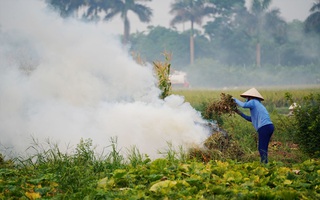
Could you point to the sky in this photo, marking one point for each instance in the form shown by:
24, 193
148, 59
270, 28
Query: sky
290, 10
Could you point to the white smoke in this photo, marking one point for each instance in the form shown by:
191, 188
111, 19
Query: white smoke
65, 80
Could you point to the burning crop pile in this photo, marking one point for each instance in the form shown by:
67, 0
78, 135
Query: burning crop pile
219, 145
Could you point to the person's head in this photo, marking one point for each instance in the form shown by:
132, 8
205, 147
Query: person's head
249, 98
252, 94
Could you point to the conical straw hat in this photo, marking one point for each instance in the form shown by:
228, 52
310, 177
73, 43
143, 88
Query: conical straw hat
252, 93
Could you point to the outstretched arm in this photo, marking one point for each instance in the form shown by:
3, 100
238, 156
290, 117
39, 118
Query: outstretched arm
246, 117
239, 103
242, 104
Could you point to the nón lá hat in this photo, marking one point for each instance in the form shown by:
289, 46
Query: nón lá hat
253, 92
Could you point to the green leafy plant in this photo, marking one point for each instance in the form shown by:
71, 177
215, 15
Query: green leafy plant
75, 177
307, 115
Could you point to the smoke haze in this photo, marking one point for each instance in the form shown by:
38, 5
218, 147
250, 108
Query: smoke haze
66, 80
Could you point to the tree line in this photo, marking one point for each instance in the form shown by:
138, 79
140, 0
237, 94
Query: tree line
233, 34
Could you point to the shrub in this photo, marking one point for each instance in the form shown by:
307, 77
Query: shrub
307, 116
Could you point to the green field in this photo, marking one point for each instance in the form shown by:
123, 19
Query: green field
274, 97
233, 172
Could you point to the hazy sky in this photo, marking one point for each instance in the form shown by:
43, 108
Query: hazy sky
290, 9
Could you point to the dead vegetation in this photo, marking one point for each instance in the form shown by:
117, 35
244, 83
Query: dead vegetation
225, 105
217, 147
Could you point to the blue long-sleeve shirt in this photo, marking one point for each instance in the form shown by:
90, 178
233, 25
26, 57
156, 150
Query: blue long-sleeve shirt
259, 114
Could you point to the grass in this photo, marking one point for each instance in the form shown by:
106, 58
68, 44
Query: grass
274, 97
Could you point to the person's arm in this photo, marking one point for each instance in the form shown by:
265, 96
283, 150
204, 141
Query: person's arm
246, 117
239, 103
243, 105
247, 104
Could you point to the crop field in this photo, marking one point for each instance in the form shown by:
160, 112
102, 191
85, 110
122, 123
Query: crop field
274, 97
229, 169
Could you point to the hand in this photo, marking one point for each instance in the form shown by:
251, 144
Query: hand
234, 99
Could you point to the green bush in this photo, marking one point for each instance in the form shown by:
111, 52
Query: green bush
308, 122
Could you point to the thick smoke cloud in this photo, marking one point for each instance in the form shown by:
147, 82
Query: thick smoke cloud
63, 80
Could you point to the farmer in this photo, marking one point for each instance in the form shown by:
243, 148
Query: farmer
260, 120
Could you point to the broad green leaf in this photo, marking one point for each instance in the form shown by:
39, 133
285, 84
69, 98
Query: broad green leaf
33, 195
184, 167
194, 180
222, 164
283, 170
255, 178
287, 182
119, 173
154, 177
232, 176
102, 183
167, 184
248, 183
260, 171
215, 178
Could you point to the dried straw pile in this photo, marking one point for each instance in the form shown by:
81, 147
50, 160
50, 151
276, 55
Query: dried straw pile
218, 146
225, 105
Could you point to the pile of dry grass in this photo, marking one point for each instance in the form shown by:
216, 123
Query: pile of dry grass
220, 145
217, 147
225, 105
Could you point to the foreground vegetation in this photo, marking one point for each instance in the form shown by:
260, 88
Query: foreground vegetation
81, 176
228, 169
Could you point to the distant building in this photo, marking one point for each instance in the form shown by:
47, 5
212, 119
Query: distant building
179, 79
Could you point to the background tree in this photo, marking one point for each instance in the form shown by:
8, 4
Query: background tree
225, 28
258, 9
150, 44
193, 11
93, 9
67, 8
273, 37
122, 7
159, 39
312, 23
229, 40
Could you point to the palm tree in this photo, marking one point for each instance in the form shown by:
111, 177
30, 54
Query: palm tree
312, 22
122, 7
190, 10
258, 9
276, 27
93, 9
66, 8
266, 21
260, 21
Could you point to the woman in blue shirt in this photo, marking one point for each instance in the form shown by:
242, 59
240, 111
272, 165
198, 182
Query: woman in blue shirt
259, 118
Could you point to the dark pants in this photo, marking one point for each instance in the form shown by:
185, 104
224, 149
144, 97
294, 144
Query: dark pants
265, 133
